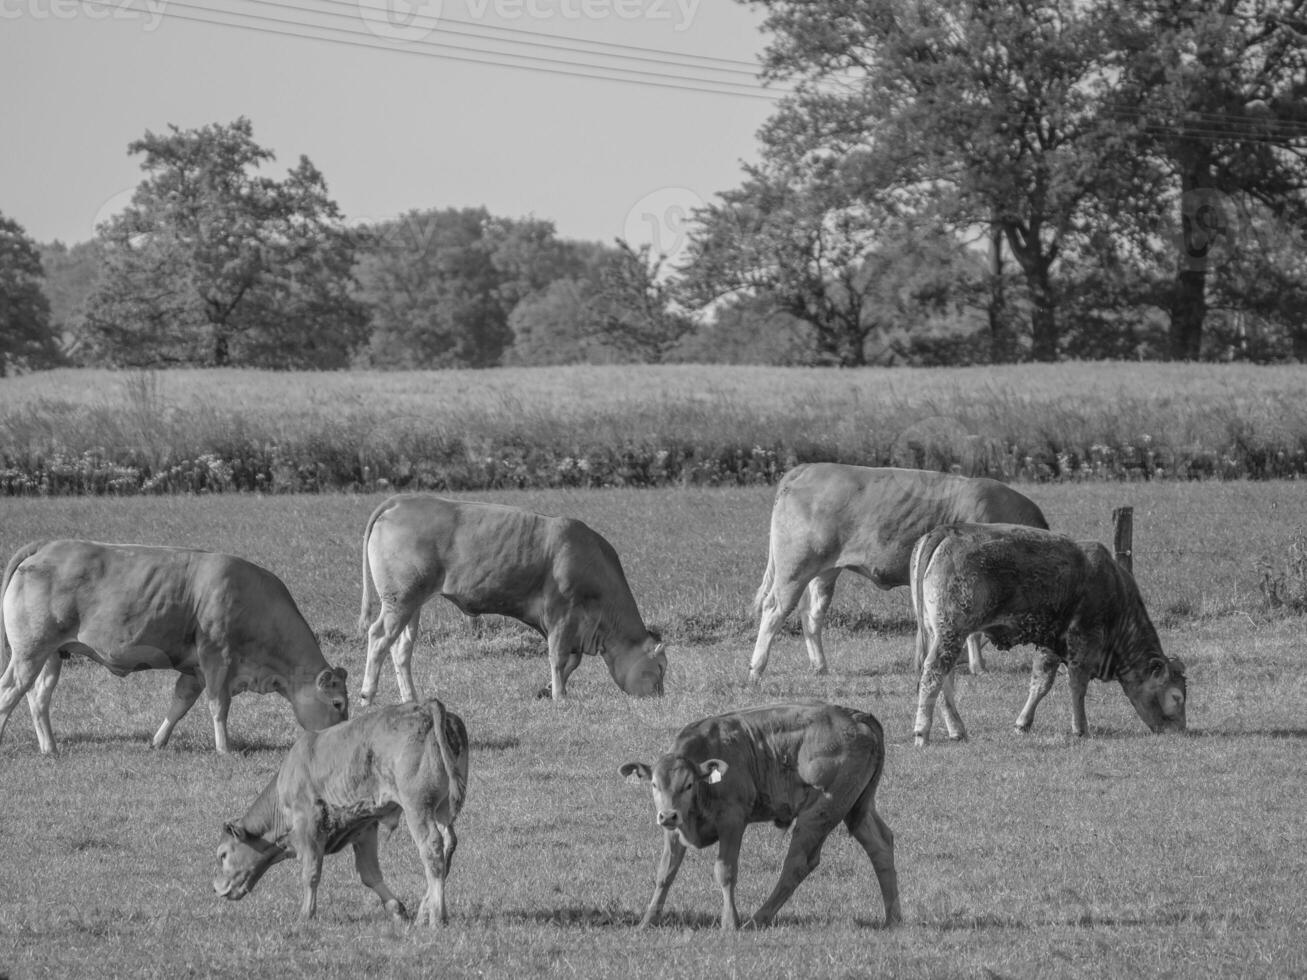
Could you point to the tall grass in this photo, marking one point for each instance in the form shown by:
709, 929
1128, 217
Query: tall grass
223, 430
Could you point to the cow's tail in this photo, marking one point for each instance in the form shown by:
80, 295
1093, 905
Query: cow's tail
922, 552
19, 556
369, 587
447, 725
768, 580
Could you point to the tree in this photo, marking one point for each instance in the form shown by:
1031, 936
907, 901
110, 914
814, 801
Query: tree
560, 324
637, 309
800, 239
976, 114
26, 340
442, 284
213, 263
1218, 95
71, 273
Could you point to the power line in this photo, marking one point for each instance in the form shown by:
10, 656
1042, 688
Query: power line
556, 41
451, 52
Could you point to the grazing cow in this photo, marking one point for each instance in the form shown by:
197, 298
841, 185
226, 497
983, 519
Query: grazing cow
829, 517
1024, 585
336, 787
224, 624
553, 573
807, 763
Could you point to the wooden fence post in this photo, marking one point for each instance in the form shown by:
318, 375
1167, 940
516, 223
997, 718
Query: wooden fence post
1123, 541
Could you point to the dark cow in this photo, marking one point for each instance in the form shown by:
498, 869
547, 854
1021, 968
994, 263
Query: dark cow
1023, 585
225, 624
338, 786
809, 764
553, 573
829, 517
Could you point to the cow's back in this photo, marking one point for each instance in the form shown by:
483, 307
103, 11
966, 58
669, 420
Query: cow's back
868, 518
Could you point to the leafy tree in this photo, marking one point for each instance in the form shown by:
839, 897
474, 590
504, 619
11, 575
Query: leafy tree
26, 340
442, 284
213, 263
560, 324
637, 309
71, 273
799, 238
1217, 93
976, 114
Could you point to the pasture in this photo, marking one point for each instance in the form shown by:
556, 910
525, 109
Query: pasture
1041, 855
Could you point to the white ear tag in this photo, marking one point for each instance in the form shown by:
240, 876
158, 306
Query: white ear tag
715, 776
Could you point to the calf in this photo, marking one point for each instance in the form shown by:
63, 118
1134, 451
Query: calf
1024, 585
335, 787
809, 764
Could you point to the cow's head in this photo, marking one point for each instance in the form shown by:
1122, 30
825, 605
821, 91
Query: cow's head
1159, 694
639, 670
323, 701
676, 782
242, 859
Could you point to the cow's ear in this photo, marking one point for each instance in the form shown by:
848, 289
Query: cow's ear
636, 772
712, 770
341, 672
1157, 667
659, 650
1177, 666
233, 829
327, 678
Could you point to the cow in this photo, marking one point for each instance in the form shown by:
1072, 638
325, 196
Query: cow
338, 786
554, 574
1025, 585
224, 624
805, 763
829, 517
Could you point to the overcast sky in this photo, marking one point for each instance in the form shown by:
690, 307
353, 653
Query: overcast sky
391, 120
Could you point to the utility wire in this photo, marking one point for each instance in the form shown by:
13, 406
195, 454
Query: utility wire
365, 39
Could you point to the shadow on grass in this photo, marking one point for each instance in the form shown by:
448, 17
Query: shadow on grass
1285, 733
961, 922
240, 745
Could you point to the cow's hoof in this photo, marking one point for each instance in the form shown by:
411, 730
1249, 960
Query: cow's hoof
821, 671
755, 678
960, 737
397, 911
544, 692
1021, 729
920, 739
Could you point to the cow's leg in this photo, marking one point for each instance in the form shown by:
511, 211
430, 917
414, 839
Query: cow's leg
974, 660
401, 657
726, 868
941, 657
17, 680
382, 634
809, 834
216, 694
564, 658
38, 701
185, 693
668, 865
820, 592
369, 868
776, 605
1043, 671
1079, 681
957, 732
873, 833
310, 852
431, 848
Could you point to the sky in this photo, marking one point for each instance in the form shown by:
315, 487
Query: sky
390, 101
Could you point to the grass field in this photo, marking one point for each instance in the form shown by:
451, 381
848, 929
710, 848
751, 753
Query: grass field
68, 432
1121, 855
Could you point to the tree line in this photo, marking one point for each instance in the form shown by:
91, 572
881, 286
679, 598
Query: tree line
950, 181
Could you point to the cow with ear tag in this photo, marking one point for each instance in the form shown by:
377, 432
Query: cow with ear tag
809, 764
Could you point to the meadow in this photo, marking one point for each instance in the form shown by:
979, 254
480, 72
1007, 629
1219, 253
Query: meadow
1119, 855
106, 432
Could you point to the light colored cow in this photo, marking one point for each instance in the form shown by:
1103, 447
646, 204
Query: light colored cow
809, 764
338, 786
829, 517
224, 624
1024, 585
553, 573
